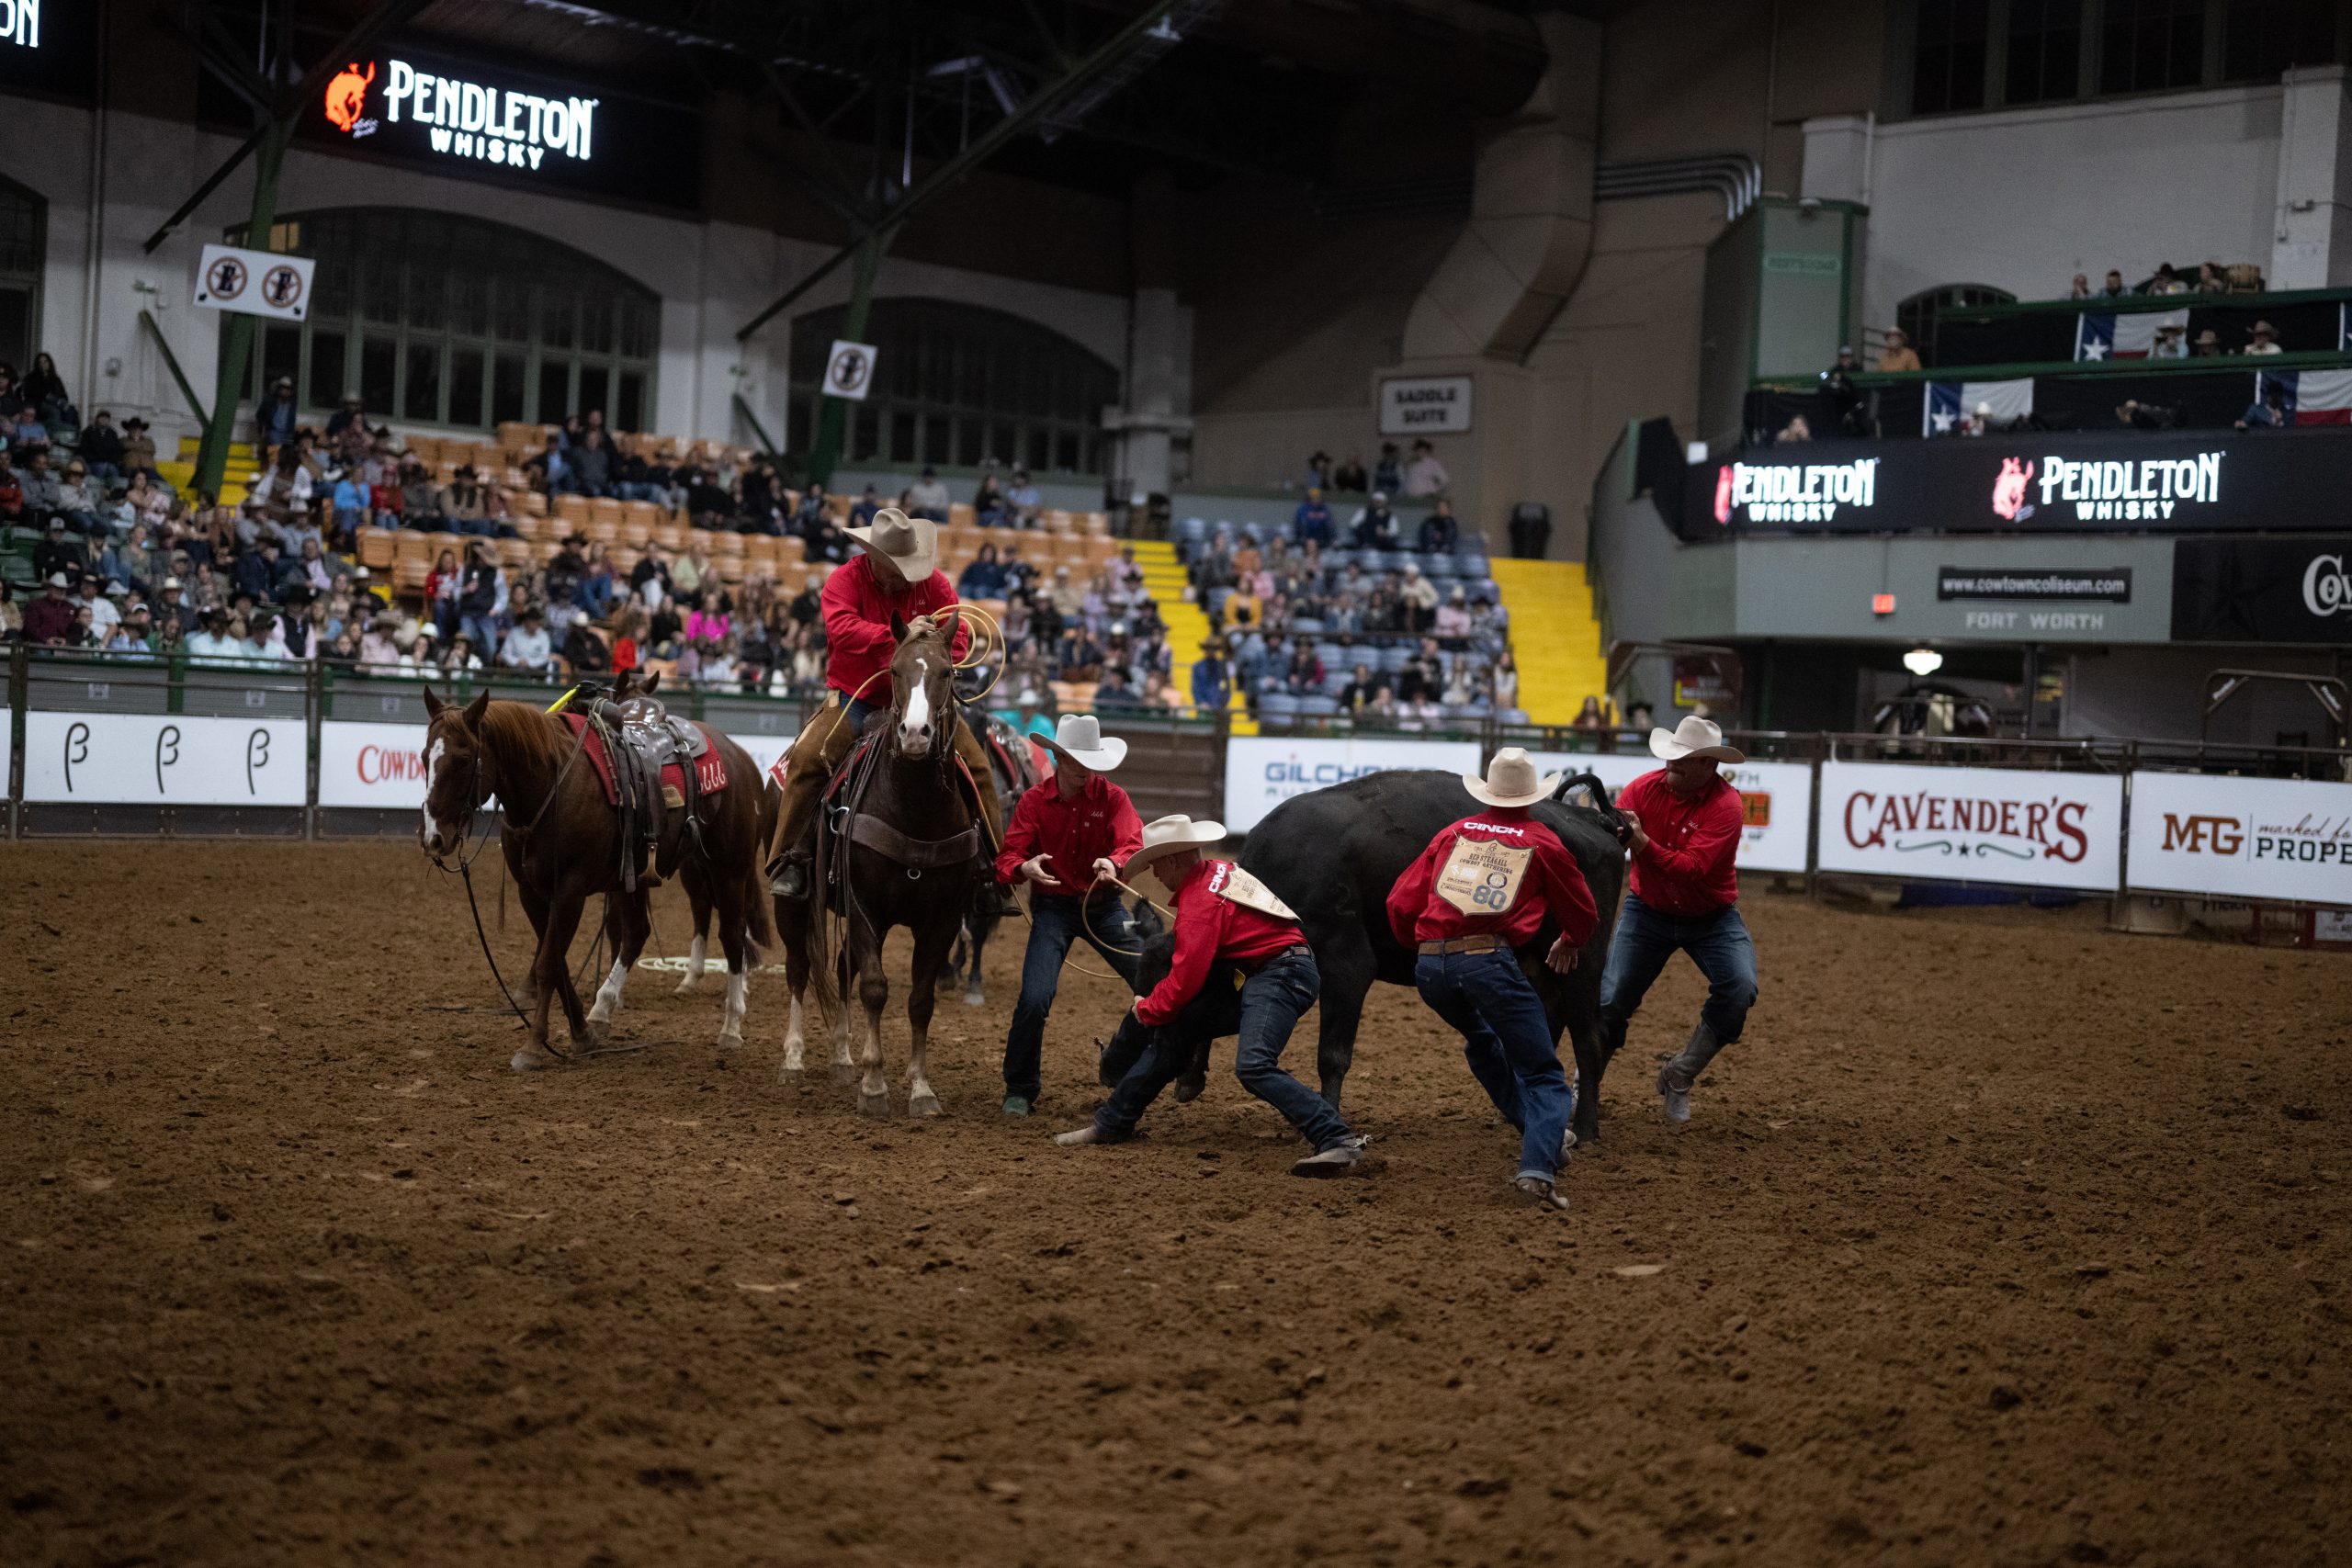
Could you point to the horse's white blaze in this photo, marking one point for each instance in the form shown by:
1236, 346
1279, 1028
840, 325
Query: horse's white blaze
793, 1040
608, 995
918, 719
432, 772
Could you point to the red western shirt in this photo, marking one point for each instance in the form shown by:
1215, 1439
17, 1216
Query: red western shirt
1209, 927
858, 644
1101, 823
1553, 883
1687, 869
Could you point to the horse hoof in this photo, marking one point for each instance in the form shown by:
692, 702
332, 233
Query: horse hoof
531, 1059
686, 987
845, 1072
973, 998
730, 1042
923, 1105
594, 1037
874, 1104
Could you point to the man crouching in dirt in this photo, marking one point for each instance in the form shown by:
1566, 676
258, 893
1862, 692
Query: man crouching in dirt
1226, 921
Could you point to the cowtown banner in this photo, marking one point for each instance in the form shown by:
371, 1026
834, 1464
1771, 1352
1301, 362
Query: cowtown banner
2041, 829
2283, 839
1776, 800
2131, 481
2263, 590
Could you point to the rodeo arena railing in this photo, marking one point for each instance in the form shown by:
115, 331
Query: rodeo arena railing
95, 745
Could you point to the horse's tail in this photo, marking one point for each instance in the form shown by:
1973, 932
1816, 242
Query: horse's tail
1601, 801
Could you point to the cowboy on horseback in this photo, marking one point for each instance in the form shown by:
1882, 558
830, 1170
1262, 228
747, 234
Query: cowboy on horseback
897, 574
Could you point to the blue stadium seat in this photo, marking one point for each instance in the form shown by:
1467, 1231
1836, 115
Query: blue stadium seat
1317, 707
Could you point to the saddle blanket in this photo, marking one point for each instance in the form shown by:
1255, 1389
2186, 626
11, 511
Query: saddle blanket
710, 769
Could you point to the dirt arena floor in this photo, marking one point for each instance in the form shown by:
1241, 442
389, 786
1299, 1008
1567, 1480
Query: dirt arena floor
2000, 1240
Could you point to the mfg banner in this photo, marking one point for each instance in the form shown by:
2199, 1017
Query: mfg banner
164, 759
1776, 799
2039, 829
2288, 839
1260, 772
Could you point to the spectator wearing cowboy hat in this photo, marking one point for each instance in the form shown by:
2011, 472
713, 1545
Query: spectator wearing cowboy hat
48, 620
138, 447
1070, 838
895, 581
2265, 340
1484, 890
1684, 832
1228, 923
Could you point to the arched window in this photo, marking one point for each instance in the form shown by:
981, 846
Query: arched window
438, 319
1917, 316
23, 242
954, 384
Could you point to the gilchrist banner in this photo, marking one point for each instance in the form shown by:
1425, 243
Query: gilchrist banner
2285, 839
1262, 773
1776, 800
2131, 481
2000, 825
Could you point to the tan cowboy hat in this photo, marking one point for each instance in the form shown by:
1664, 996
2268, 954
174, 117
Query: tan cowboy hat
1694, 736
1169, 834
910, 543
1510, 780
1079, 737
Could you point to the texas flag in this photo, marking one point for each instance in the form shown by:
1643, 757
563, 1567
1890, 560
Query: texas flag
2311, 397
2122, 335
1948, 402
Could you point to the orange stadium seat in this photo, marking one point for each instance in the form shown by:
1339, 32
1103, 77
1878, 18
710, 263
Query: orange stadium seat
574, 509
377, 548
408, 576
670, 534
604, 508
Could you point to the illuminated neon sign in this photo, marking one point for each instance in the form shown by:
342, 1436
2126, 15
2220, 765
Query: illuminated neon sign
20, 23
461, 118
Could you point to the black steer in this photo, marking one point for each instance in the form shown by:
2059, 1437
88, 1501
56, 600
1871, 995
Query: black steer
1334, 854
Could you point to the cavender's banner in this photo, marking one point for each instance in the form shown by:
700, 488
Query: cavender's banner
2131, 481
2000, 825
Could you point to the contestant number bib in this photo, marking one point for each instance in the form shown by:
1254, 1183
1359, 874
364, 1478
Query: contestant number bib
1482, 877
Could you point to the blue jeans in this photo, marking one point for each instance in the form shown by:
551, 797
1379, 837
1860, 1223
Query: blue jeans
1055, 921
1271, 1002
1717, 943
1509, 1043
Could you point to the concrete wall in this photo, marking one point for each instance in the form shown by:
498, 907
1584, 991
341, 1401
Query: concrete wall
2158, 693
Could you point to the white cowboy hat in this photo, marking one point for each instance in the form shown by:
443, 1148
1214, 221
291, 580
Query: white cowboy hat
910, 543
1169, 834
1510, 780
1079, 737
1694, 736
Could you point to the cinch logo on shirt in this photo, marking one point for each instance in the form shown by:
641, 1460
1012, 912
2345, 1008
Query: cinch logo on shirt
1495, 827
1219, 872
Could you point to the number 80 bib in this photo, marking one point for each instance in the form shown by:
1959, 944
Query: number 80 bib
1481, 878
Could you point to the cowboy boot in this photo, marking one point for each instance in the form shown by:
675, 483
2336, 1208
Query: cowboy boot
1681, 1073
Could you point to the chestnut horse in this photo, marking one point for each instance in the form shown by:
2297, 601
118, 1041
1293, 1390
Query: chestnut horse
562, 844
899, 845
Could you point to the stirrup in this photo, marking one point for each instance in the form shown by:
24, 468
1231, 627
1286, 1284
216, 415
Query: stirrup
791, 880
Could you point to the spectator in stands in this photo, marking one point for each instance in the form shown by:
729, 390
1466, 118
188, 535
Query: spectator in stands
991, 507
1453, 623
1304, 674
1374, 527
588, 465
1417, 595
1113, 696
2266, 339
1502, 681
351, 511
2082, 288
2172, 342
1028, 503
1358, 693
101, 447
43, 391
649, 579
1025, 717
1312, 519
1441, 534
1212, 679
2208, 345
29, 435
75, 502
2141, 415
1077, 656
1425, 475
1319, 471
138, 447
869, 501
347, 416
927, 497
690, 574
1350, 479
421, 503
275, 421
1388, 474
478, 599
2268, 411
13, 511
48, 620
1530, 530
983, 578
2210, 279
1898, 353
2166, 281
2114, 289
1799, 428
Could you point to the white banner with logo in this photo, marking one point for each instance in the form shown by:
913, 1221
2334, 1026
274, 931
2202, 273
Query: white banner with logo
378, 765
1261, 772
2288, 839
258, 283
1776, 800
142, 759
2042, 829
767, 750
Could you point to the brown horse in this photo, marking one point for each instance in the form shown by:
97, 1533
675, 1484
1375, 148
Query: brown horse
898, 846
562, 844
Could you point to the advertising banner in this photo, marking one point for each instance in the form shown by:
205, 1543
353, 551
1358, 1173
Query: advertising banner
1263, 772
2130, 482
2262, 589
378, 765
1776, 799
2288, 839
2041, 829
164, 759
49, 47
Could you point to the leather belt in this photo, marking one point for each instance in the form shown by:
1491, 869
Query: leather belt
1285, 952
1490, 943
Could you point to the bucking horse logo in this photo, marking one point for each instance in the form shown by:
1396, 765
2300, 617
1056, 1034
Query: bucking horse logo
347, 96
2009, 492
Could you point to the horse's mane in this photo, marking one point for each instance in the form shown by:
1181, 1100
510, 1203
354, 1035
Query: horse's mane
524, 731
